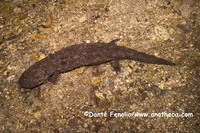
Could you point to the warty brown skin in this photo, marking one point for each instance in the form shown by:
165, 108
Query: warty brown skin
78, 55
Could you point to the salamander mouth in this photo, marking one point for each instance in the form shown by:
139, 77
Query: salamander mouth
27, 85
25, 82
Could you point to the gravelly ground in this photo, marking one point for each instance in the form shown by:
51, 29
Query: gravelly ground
165, 28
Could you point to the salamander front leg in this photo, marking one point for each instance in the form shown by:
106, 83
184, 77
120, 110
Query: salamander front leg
53, 78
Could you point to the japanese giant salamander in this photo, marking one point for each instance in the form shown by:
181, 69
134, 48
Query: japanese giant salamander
79, 55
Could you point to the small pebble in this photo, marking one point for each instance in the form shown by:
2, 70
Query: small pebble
37, 115
5, 73
81, 70
56, 28
41, 36
19, 30
16, 22
17, 10
99, 95
95, 80
51, 7
83, 18
162, 32
11, 77
42, 56
161, 86
48, 22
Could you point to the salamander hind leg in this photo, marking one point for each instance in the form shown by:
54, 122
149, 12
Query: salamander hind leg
116, 66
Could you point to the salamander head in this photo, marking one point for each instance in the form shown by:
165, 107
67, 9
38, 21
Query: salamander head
32, 78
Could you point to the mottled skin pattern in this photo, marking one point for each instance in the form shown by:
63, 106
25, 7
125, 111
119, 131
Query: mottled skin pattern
75, 56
